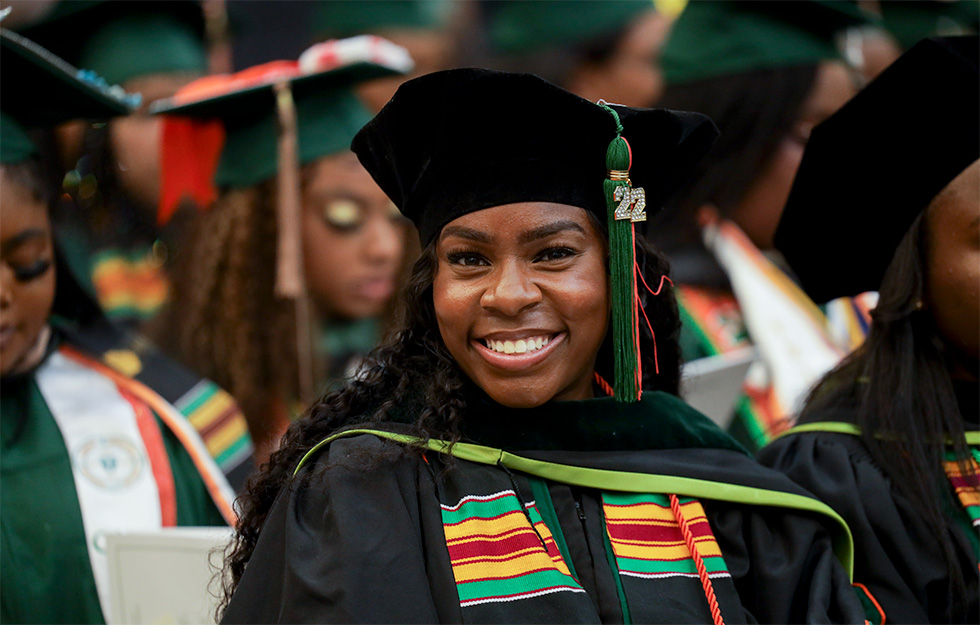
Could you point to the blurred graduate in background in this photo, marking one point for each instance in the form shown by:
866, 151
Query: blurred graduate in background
108, 215
428, 29
98, 432
766, 73
287, 274
890, 437
594, 48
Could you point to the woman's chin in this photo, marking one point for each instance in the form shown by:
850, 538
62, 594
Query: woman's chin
523, 397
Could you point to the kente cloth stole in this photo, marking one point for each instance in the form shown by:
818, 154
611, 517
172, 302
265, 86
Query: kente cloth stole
129, 284
647, 539
497, 557
119, 463
219, 422
966, 486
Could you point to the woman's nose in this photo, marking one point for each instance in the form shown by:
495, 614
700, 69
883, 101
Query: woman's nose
384, 242
512, 289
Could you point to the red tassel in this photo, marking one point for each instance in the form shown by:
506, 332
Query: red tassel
189, 153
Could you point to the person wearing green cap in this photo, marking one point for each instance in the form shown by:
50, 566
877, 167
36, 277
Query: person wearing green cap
87, 445
766, 72
890, 437
118, 244
287, 274
477, 469
605, 49
426, 28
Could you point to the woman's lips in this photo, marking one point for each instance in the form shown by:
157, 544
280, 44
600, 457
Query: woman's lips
7, 333
518, 362
375, 288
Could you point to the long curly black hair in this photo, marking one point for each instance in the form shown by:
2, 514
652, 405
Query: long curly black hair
413, 366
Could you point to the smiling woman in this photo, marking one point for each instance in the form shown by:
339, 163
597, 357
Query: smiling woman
476, 469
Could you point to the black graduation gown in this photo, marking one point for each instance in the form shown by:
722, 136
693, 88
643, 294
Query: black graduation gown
897, 556
376, 532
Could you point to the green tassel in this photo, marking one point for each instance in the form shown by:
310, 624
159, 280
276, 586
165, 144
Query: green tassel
626, 384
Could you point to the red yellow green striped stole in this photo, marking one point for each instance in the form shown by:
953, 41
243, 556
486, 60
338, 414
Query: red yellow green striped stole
129, 285
219, 421
966, 486
496, 556
647, 541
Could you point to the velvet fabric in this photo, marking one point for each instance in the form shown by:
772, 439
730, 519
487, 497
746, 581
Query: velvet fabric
871, 168
458, 141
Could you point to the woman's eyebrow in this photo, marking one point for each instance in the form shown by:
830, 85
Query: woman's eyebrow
548, 230
466, 233
22, 237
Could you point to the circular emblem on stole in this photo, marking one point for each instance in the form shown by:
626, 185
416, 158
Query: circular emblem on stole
110, 463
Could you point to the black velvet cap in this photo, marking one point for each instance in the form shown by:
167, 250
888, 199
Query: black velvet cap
458, 141
871, 168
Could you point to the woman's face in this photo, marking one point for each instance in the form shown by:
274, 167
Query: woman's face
762, 204
353, 239
953, 268
27, 279
521, 296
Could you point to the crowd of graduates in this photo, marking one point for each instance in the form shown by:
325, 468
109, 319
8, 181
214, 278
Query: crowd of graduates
300, 269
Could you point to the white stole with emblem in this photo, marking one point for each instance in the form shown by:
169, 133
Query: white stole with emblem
110, 464
785, 325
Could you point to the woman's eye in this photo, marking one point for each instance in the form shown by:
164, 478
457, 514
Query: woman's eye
342, 214
466, 259
32, 271
554, 253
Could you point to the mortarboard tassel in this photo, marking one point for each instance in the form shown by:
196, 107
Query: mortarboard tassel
625, 204
290, 281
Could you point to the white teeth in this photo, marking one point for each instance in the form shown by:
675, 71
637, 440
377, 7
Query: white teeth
520, 346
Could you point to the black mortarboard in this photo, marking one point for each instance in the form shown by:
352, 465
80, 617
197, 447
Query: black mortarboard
458, 141
872, 167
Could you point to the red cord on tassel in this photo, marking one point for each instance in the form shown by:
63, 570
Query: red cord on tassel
709, 590
605, 386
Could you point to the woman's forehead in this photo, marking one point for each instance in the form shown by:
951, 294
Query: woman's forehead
517, 219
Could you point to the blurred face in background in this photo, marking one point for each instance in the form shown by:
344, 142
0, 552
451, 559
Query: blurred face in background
762, 204
432, 50
631, 75
353, 239
953, 269
27, 280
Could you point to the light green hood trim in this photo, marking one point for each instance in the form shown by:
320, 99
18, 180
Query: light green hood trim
621, 481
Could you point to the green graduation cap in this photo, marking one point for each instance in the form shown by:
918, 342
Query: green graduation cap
41, 90
518, 26
277, 117
328, 113
346, 18
912, 20
715, 38
125, 40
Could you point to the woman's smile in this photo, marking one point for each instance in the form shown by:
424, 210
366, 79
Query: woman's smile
521, 296
519, 354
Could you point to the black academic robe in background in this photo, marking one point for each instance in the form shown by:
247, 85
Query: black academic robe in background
376, 532
897, 555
